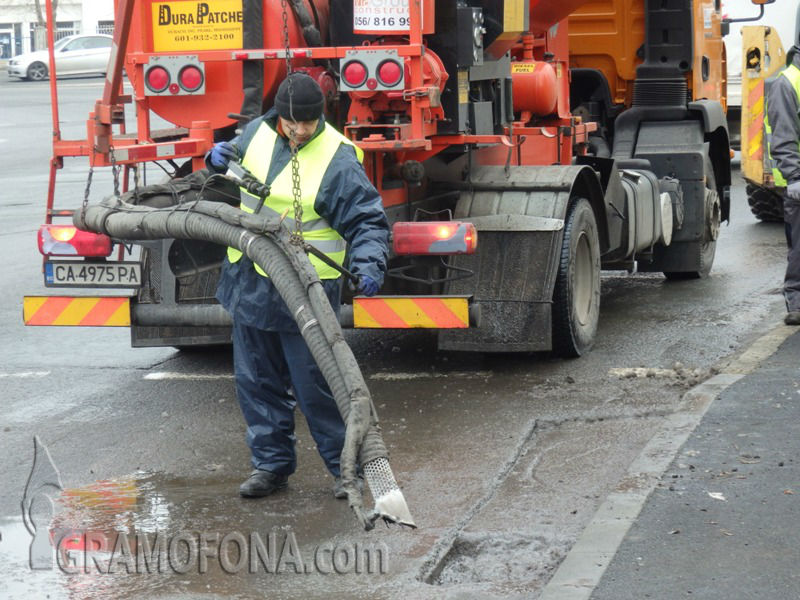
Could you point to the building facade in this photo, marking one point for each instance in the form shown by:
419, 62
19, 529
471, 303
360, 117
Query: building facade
19, 24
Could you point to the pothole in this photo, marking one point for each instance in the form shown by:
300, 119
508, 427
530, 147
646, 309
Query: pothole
500, 559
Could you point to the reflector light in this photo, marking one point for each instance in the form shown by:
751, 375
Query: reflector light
174, 88
390, 73
190, 78
67, 240
434, 237
354, 73
157, 79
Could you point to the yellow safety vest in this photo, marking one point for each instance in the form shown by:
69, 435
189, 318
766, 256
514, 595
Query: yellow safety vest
313, 159
792, 73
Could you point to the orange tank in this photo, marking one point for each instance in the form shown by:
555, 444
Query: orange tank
188, 26
535, 87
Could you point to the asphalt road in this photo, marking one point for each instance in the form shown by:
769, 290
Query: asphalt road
503, 459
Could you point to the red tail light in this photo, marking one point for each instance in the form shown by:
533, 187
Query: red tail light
157, 79
67, 240
434, 237
190, 78
354, 73
390, 73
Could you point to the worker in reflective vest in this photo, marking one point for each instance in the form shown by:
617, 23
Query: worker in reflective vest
342, 211
782, 125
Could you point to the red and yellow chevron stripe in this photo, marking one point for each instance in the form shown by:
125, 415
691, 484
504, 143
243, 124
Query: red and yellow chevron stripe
755, 119
405, 312
73, 310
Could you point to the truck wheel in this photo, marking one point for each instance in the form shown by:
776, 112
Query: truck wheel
576, 297
765, 204
37, 71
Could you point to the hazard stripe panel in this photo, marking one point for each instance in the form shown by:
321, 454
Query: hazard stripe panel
405, 312
76, 311
755, 94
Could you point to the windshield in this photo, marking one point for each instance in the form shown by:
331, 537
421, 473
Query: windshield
60, 43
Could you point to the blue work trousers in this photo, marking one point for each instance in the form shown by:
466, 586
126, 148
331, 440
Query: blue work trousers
267, 364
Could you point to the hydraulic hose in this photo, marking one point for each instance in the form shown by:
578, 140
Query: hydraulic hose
266, 242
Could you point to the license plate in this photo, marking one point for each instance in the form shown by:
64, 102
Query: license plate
91, 274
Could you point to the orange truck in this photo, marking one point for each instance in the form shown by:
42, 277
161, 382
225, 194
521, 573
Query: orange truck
519, 146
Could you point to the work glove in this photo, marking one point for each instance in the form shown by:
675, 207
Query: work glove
367, 286
221, 154
793, 191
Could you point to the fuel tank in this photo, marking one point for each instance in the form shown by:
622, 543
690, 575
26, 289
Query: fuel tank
195, 26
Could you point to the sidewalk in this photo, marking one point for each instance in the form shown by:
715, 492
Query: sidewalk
724, 521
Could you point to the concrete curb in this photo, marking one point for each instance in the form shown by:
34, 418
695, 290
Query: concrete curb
580, 572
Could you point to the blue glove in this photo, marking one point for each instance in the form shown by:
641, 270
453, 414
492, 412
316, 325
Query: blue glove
793, 191
221, 154
367, 286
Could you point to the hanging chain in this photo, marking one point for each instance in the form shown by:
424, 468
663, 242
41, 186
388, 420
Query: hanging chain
136, 182
297, 235
86, 191
114, 170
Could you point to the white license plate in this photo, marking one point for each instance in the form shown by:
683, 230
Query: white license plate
92, 274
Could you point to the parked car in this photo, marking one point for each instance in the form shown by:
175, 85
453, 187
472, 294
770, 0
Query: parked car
75, 55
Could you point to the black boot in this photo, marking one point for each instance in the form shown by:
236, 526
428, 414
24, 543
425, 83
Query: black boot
262, 483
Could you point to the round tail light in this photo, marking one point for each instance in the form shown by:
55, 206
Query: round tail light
190, 78
354, 73
390, 73
157, 79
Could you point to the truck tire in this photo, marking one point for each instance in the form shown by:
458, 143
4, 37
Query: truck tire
37, 71
576, 297
765, 204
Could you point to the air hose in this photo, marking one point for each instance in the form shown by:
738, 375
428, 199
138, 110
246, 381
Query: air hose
266, 242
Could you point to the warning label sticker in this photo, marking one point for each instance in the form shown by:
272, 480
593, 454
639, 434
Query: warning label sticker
191, 25
381, 15
525, 67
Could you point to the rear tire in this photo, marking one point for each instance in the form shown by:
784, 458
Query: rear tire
576, 297
37, 71
765, 204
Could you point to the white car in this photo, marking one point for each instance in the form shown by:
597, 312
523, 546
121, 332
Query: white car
75, 55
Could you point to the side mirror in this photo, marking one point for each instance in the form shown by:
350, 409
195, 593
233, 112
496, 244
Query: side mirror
762, 2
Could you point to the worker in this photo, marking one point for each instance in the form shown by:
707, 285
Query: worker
273, 366
782, 125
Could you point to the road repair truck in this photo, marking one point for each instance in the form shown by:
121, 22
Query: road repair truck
519, 146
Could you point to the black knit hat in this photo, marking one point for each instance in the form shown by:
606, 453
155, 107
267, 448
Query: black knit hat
307, 99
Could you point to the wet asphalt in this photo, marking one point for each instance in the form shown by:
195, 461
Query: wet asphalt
503, 459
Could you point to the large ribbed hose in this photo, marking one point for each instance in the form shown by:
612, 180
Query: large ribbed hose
267, 244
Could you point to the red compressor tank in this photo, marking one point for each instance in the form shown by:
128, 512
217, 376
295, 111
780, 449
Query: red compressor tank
188, 26
535, 87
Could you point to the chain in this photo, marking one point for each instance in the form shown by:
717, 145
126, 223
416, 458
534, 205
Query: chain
297, 235
136, 183
86, 191
114, 170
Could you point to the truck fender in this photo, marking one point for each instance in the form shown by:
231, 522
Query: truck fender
715, 125
530, 198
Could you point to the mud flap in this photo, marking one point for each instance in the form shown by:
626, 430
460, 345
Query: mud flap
513, 289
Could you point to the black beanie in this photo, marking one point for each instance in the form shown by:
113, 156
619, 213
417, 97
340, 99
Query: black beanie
306, 102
